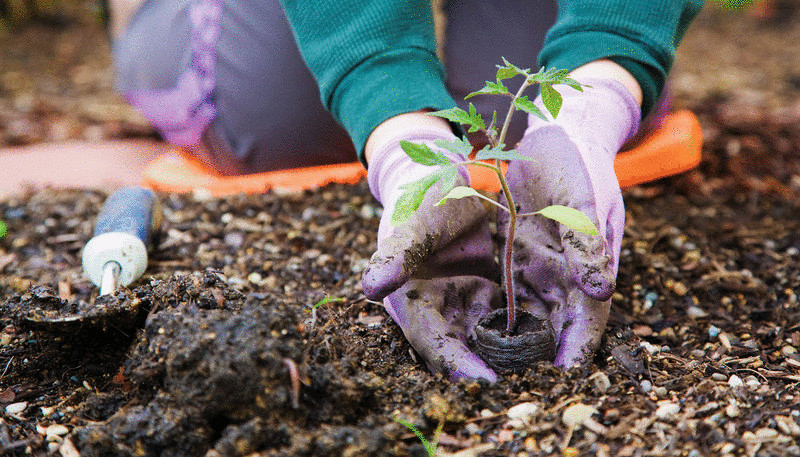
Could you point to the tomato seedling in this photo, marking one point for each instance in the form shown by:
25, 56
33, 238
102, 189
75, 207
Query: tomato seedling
492, 156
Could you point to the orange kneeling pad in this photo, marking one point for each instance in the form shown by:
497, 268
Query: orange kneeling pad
673, 148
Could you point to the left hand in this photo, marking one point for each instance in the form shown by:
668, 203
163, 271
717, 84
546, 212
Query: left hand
561, 275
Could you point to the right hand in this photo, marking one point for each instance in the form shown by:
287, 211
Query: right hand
436, 272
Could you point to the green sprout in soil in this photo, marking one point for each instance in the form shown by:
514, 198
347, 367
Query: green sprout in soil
491, 156
3, 229
430, 446
327, 300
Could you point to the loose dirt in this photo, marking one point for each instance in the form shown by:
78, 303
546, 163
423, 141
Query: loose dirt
226, 355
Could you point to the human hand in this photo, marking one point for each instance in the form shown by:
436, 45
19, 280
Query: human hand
436, 272
563, 275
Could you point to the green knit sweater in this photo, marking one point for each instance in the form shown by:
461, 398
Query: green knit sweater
374, 59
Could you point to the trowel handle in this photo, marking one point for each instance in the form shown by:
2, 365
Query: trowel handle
117, 253
132, 210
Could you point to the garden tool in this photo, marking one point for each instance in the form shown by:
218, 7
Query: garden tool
117, 253
115, 256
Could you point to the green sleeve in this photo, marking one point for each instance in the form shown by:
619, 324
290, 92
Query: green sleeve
640, 36
372, 59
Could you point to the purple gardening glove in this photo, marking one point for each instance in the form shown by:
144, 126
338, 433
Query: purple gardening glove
436, 272
561, 274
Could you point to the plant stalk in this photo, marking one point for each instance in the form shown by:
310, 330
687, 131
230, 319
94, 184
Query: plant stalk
511, 301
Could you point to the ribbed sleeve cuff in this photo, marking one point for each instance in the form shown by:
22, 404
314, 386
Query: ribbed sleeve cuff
386, 85
572, 50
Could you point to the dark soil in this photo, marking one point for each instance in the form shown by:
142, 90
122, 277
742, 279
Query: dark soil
224, 353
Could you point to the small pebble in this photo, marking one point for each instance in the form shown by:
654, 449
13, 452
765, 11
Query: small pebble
16, 408
601, 382
571, 452
713, 331
577, 414
649, 347
733, 410
735, 382
727, 448
486, 413
787, 425
56, 430
766, 434
660, 391
646, 386
719, 377
523, 412
254, 278
667, 411
504, 436
473, 429
226, 218
696, 312
752, 382
53, 447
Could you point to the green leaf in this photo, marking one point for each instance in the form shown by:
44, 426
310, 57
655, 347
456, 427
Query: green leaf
421, 153
471, 118
509, 70
491, 89
459, 146
551, 99
574, 84
524, 104
412, 196
414, 192
3, 229
458, 192
570, 217
430, 447
499, 154
327, 300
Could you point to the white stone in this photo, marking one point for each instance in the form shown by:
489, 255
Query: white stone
56, 430
735, 381
16, 408
667, 410
577, 414
523, 412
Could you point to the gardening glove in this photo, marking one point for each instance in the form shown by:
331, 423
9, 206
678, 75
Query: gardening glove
560, 274
436, 272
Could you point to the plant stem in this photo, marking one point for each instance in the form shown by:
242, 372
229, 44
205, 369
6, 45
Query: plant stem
509, 279
511, 305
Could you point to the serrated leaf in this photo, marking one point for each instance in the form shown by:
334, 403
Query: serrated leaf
448, 179
421, 153
551, 99
505, 73
459, 146
471, 118
573, 84
414, 192
458, 192
499, 154
570, 217
412, 196
525, 104
491, 89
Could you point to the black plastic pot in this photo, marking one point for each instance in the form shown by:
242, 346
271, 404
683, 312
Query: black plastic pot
531, 342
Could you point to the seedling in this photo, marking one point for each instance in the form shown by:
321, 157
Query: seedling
3, 229
430, 446
492, 156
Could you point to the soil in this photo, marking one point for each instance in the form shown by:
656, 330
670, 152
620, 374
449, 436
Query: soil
225, 353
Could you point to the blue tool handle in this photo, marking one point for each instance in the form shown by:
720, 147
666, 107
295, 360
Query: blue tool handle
132, 210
